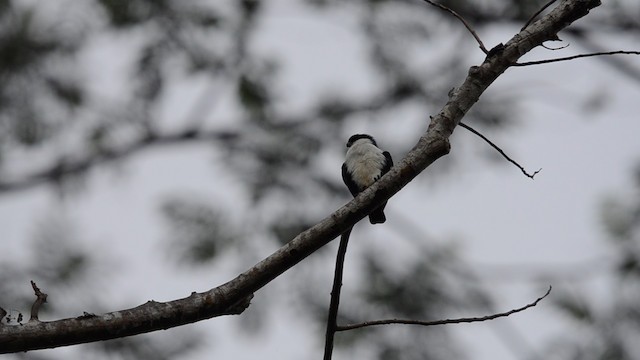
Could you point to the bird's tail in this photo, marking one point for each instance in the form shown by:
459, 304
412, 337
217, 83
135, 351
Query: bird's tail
377, 216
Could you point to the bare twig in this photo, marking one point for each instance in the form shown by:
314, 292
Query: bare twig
582, 36
41, 298
466, 24
555, 48
332, 320
443, 322
632, 52
537, 13
500, 151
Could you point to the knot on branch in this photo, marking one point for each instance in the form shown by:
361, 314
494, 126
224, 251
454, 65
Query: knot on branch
240, 306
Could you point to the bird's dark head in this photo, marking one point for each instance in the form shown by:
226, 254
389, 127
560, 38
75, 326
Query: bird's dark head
357, 137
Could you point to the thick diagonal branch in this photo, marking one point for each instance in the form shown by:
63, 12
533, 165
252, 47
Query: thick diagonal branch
232, 296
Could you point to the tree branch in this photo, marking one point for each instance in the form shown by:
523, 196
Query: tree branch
233, 296
466, 24
443, 322
577, 57
332, 321
500, 151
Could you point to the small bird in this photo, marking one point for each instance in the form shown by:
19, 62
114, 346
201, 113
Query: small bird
364, 164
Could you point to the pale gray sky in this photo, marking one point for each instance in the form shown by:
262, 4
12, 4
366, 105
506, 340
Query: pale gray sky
500, 219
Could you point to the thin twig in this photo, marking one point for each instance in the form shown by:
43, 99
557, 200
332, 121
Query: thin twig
617, 63
577, 57
466, 24
443, 322
41, 298
555, 48
531, 176
537, 13
332, 322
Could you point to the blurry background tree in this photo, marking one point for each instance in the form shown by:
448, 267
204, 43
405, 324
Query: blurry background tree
254, 101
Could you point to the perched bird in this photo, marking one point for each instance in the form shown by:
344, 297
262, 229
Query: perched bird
364, 164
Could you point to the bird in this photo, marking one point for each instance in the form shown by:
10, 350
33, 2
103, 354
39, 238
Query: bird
364, 164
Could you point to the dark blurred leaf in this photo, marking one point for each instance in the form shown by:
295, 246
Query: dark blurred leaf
149, 74
60, 258
20, 47
28, 130
207, 18
617, 218
253, 94
199, 232
404, 89
123, 13
68, 92
285, 231
493, 114
250, 7
150, 347
414, 295
334, 109
99, 138
575, 308
629, 265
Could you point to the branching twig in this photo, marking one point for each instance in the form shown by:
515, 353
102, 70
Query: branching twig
443, 322
41, 298
332, 322
632, 52
537, 13
500, 151
466, 24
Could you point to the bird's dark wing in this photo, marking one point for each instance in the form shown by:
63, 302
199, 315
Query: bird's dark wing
377, 216
346, 177
388, 164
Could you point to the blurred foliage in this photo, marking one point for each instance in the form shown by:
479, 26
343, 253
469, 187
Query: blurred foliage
198, 233
51, 109
433, 285
609, 330
58, 260
175, 346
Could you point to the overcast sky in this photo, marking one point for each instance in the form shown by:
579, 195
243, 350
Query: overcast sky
506, 225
